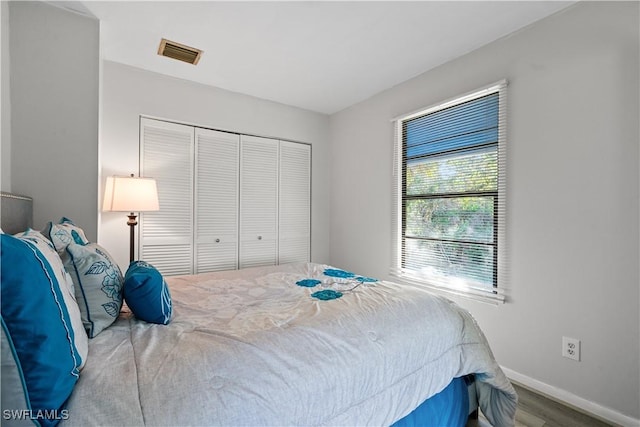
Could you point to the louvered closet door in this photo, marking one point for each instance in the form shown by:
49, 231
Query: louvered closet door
166, 236
258, 201
294, 226
216, 204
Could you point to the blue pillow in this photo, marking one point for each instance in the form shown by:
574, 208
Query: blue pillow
38, 327
50, 256
147, 294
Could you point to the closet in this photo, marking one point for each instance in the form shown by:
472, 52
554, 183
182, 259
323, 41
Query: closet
227, 200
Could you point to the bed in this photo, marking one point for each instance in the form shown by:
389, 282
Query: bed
296, 344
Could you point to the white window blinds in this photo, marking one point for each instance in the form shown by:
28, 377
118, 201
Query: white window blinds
449, 200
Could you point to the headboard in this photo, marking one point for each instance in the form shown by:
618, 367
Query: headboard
16, 212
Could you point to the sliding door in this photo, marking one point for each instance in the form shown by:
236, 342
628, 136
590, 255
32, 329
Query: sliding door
294, 218
227, 201
258, 201
216, 202
166, 236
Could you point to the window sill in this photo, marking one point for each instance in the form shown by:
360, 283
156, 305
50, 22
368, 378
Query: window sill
486, 297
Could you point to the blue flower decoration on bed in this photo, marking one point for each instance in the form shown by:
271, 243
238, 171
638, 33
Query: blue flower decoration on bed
362, 279
308, 283
327, 294
332, 272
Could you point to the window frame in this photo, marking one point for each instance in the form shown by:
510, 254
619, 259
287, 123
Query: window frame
495, 294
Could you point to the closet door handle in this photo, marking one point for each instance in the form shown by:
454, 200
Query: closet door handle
217, 240
259, 237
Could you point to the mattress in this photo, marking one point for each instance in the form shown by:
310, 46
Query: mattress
259, 347
450, 407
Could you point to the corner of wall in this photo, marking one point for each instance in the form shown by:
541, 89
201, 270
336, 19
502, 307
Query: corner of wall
5, 108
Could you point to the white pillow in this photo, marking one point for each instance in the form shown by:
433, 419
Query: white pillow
63, 233
14, 395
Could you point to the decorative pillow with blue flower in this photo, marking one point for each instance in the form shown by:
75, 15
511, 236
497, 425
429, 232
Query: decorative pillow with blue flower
98, 285
64, 233
147, 293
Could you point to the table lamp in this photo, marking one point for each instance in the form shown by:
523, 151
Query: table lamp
130, 194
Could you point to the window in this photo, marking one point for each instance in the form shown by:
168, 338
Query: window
450, 194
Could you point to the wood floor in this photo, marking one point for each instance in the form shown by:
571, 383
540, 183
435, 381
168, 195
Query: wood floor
535, 410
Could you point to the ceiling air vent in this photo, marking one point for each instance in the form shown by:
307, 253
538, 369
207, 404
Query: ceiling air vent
179, 51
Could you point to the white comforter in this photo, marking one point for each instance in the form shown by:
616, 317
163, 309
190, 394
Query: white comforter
251, 347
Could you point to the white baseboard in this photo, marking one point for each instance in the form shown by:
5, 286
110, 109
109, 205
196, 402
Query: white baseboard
565, 397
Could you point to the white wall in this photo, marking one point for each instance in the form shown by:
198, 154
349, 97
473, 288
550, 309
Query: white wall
573, 191
5, 107
130, 92
54, 70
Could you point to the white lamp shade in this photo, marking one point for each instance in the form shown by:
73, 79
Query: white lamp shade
130, 194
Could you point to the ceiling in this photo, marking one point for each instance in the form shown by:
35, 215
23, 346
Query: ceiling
322, 56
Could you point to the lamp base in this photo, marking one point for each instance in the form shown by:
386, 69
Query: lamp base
132, 224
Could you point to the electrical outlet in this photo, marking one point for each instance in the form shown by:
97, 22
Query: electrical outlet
571, 348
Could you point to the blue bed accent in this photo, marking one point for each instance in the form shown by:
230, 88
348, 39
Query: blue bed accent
449, 408
334, 272
308, 283
363, 279
326, 295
